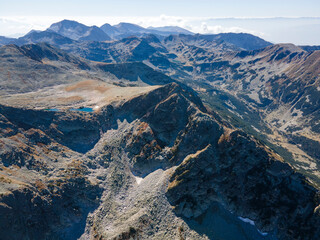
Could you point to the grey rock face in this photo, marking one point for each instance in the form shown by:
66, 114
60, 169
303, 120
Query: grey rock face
251, 181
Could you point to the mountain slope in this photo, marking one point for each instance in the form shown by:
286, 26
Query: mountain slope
136, 72
43, 37
41, 76
241, 41
274, 92
33, 67
110, 30
5, 40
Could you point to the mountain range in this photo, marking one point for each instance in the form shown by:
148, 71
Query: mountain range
67, 31
78, 31
123, 132
122, 30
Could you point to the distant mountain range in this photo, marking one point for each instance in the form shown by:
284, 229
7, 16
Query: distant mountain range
68, 32
122, 30
78, 31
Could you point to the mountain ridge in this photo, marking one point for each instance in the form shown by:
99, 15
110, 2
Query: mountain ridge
124, 29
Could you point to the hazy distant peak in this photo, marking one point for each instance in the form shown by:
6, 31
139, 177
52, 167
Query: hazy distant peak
33, 31
129, 27
65, 24
78, 31
237, 41
152, 38
171, 29
286, 46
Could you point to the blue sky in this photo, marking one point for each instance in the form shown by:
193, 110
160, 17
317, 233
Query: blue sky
18, 17
187, 8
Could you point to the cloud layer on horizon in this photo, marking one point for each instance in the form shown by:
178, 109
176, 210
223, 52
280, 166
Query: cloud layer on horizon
303, 31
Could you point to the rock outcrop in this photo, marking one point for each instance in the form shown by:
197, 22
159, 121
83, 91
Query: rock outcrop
251, 182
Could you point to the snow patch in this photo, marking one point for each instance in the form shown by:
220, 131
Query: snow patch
291, 119
308, 98
251, 222
235, 113
229, 103
138, 179
149, 64
247, 220
255, 96
256, 129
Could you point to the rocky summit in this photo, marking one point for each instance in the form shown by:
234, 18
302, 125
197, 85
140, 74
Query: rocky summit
157, 136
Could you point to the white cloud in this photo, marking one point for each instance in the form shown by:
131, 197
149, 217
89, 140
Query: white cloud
215, 29
20, 25
295, 30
